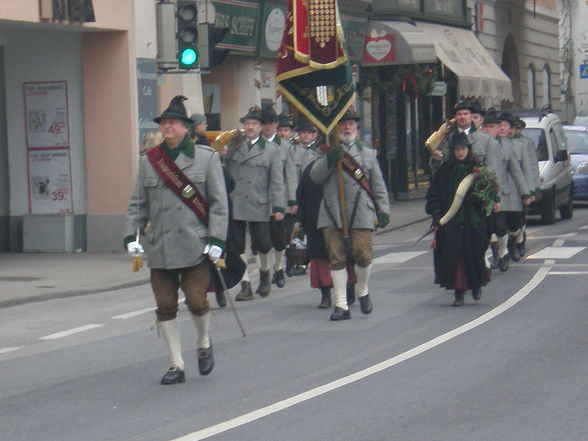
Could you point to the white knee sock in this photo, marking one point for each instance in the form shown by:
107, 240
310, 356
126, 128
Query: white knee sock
171, 335
246, 273
502, 246
202, 323
363, 275
278, 255
263, 261
339, 278
521, 236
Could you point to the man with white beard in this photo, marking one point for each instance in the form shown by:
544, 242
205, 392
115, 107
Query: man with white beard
367, 206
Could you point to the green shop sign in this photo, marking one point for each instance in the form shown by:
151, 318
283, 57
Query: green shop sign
242, 19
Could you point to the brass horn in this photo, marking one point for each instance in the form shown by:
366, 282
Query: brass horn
228, 137
436, 139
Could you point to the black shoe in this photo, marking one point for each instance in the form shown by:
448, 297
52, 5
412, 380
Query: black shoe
221, 298
206, 360
340, 314
325, 298
458, 298
504, 263
299, 270
265, 286
514, 253
522, 248
365, 304
279, 278
289, 270
477, 293
174, 375
351, 294
245, 293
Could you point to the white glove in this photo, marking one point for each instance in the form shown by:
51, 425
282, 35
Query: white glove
214, 252
134, 248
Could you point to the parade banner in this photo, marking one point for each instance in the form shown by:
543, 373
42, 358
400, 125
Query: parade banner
48, 154
49, 181
313, 71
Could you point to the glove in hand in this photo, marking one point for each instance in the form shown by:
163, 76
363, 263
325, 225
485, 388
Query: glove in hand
214, 252
334, 154
383, 219
134, 248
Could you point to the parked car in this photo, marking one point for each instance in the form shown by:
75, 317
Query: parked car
578, 147
555, 170
580, 120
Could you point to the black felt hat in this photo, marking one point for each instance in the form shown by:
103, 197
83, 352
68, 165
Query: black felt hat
285, 121
519, 123
304, 125
176, 109
507, 116
491, 117
465, 104
458, 139
268, 114
350, 114
253, 113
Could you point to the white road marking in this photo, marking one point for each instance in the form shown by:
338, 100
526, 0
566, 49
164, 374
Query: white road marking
241, 420
132, 314
9, 349
398, 257
556, 253
69, 332
569, 273
559, 242
553, 237
585, 227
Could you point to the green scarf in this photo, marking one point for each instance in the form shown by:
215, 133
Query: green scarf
186, 147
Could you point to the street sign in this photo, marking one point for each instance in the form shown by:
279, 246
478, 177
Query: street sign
583, 71
439, 88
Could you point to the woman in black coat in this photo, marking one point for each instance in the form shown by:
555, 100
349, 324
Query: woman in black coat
461, 243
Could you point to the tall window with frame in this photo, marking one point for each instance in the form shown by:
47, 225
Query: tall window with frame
546, 84
531, 87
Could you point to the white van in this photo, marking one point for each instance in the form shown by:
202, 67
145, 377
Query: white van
555, 171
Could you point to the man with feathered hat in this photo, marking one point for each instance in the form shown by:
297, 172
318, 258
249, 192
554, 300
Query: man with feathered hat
180, 191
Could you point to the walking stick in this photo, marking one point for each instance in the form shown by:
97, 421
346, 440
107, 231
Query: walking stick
221, 263
342, 202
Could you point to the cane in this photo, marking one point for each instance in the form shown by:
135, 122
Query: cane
220, 263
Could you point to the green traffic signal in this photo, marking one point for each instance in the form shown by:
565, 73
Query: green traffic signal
189, 57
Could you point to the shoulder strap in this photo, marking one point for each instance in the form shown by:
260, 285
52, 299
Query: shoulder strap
178, 182
354, 170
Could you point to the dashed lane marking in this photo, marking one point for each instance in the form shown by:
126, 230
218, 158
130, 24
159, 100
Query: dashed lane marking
70, 332
398, 257
556, 253
568, 273
132, 314
9, 349
257, 414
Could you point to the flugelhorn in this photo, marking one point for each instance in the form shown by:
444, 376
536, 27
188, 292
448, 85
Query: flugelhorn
228, 137
436, 139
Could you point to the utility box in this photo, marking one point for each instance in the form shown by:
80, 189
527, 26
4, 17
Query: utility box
48, 233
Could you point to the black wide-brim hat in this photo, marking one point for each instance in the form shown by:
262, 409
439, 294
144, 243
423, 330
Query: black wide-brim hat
268, 114
458, 139
304, 125
507, 116
253, 113
465, 104
285, 121
519, 123
176, 109
491, 117
350, 114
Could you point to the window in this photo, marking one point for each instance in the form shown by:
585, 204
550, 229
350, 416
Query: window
531, 91
546, 85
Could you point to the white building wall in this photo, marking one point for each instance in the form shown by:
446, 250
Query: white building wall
35, 55
580, 47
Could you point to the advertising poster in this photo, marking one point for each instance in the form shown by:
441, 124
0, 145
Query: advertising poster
48, 150
50, 181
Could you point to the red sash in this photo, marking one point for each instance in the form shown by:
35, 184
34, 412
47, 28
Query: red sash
354, 170
177, 182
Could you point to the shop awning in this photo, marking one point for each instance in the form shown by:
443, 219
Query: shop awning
461, 52
396, 42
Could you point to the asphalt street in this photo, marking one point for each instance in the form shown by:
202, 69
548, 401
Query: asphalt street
512, 366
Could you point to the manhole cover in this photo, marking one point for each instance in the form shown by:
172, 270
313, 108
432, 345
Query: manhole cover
18, 279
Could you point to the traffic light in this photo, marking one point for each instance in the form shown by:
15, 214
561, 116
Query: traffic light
187, 36
210, 56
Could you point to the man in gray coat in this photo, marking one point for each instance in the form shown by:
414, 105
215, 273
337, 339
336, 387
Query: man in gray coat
482, 145
179, 242
365, 211
257, 167
281, 230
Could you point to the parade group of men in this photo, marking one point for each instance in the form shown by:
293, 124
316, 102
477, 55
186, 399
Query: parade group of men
498, 143
187, 215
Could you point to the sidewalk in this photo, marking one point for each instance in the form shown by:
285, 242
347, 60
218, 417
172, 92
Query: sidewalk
26, 277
